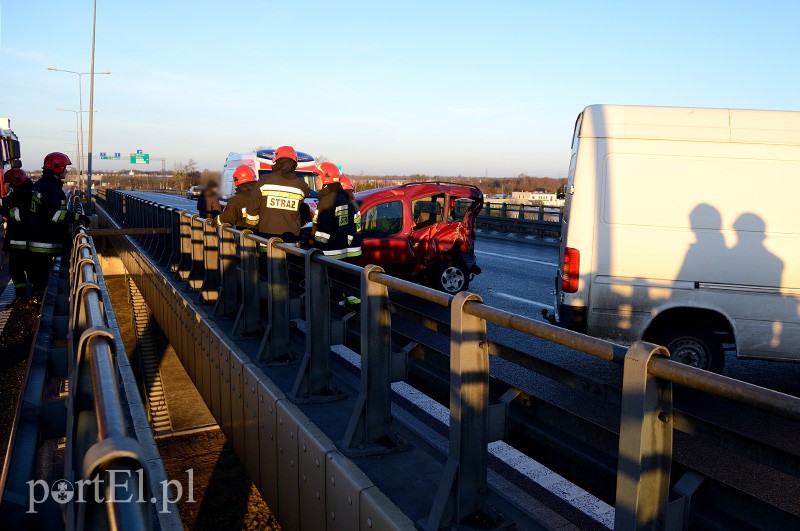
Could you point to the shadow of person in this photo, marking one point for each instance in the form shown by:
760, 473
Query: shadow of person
755, 265
709, 245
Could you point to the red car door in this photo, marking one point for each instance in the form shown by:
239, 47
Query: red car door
385, 233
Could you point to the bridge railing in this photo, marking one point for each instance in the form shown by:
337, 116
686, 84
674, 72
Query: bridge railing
99, 447
516, 218
109, 477
231, 269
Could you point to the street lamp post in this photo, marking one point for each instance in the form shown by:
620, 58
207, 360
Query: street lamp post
78, 133
80, 93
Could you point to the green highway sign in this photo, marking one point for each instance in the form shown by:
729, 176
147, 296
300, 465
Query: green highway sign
140, 158
105, 156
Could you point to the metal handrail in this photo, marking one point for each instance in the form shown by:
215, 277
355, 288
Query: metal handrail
645, 443
92, 342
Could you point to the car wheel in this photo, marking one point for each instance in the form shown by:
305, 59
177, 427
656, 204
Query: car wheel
453, 278
694, 345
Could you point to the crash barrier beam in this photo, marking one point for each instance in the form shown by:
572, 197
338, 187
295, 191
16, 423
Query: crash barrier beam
103, 450
646, 423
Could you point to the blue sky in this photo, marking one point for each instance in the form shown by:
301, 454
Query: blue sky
433, 87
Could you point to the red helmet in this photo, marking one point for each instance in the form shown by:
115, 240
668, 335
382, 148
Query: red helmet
243, 174
347, 184
284, 152
56, 162
328, 173
15, 177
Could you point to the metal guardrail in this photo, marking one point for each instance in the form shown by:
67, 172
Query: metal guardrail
520, 219
103, 454
222, 265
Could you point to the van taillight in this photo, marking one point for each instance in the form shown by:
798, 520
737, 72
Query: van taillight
570, 270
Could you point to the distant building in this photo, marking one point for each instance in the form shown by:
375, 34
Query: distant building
537, 197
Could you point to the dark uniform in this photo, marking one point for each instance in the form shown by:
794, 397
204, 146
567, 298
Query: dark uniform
276, 206
335, 231
354, 226
15, 207
48, 228
235, 212
208, 204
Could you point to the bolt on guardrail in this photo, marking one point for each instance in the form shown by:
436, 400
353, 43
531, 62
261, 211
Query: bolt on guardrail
647, 419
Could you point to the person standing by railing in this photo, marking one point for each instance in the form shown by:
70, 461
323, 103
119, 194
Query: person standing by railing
15, 207
235, 212
276, 208
48, 224
208, 203
334, 231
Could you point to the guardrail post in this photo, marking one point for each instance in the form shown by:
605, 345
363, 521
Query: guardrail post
463, 488
174, 222
645, 443
313, 383
210, 289
163, 248
195, 278
248, 320
149, 222
369, 429
226, 302
185, 263
275, 347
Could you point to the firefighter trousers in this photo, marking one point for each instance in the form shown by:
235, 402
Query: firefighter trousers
17, 270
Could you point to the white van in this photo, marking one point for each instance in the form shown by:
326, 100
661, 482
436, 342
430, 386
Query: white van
682, 227
261, 161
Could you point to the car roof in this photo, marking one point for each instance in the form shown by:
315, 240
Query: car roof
419, 190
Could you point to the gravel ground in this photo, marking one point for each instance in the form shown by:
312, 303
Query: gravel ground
224, 497
15, 344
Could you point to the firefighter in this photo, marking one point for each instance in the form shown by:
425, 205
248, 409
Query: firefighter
276, 205
235, 212
208, 203
15, 207
48, 223
354, 222
333, 230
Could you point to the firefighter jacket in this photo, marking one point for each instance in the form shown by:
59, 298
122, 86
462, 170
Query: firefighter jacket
334, 231
276, 206
235, 212
354, 237
15, 207
48, 225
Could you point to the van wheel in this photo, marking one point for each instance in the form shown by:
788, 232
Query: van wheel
694, 345
453, 278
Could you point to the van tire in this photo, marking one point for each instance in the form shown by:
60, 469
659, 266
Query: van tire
452, 278
693, 345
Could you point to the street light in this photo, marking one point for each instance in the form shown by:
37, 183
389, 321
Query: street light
78, 131
80, 98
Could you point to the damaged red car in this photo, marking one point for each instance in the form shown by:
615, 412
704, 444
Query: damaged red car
423, 232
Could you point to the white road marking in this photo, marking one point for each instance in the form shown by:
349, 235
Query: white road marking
531, 260
526, 301
530, 468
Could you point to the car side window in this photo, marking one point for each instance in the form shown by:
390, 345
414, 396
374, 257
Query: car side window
428, 210
383, 220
